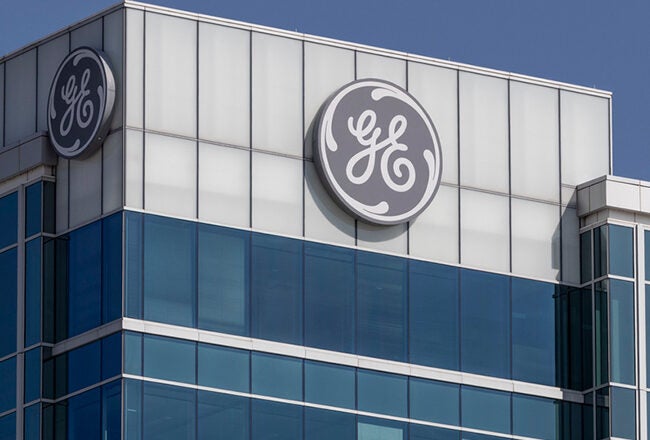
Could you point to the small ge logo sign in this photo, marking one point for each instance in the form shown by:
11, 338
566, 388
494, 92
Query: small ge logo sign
80, 103
377, 152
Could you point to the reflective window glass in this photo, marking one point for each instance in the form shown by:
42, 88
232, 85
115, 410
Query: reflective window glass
329, 297
382, 393
111, 408
112, 268
277, 376
534, 417
485, 323
84, 416
134, 259
8, 301
369, 428
169, 270
321, 424
7, 384
8, 220
133, 353
276, 296
621, 251
223, 280
111, 354
601, 332
33, 292
272, 420
32, 423
329, 384
8, 427
49, 211
84, 279
434, 401
602, 413
485, 409
533, 331
84, 366
222, 417
623, 408
647, 254
600, 251
223, 367
132, 410
474, 436
422, 432
168, 413
585, 257
169, 359
433, 315
381, 301
621, 316
32, 375
33, 209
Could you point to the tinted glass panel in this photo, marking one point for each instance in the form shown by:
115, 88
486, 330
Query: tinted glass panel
225, 368
170, 359
84, 366
647, 254
168, 413
112, 267
111, 407
169, 271
623, 413
273, 421
621, 315
49, 211
600, 251
621, 251
8, 220
223, 280
485, 409
533, 331
601, 332
222, 417
277, 289
647, 329
132, 410
327, 425
32, 292
32, 375
32, 424
433, 401
8, 427
84, 416
84, 278
8, 301
33, 209
534, 417
277, 376
134, 260
585, 257
111, 354
433, 307
7, 384
329, 297
369, 428
382, 393
381, 301
420, 432
133, 353
329, 384
485, 323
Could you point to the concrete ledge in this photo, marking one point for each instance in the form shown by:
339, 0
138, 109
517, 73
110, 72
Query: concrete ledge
611, 192
28, 154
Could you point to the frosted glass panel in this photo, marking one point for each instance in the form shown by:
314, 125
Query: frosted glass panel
585, 137
87, 35
277, 94
224, 185
112, 172
377, 66
382, 238
535, 153
50, 56
113, 31
327, 69
62, 173
483, 132
570, 246
170, 175
224, 84
134, 99
134, 167
436, 88
324, 220
20, 97
434, 233
535, 239
170, 76
85, 189
277, 194
484, 234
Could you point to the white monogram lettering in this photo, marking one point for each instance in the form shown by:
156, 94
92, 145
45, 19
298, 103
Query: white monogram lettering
367, 134
80, 110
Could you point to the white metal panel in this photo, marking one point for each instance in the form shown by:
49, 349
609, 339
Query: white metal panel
113, 152
2, 104
114, 50
87, 35
62, 173
85, 189
382, 238
381, 67
50, 56
134, 169
134, 68
20, 97
570, 246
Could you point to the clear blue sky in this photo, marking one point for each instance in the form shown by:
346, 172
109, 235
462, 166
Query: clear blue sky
601, 43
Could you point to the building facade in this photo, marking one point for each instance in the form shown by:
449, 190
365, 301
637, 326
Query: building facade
191, 273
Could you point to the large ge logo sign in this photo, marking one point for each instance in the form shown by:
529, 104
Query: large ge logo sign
377, 152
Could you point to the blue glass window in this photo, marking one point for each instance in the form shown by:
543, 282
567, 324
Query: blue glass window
277, 288
485, 409
7, 384
329, 384
8, 220
421, 432
169, 271
382, 393
33, 209
369, 428
328, 425
223, 280
534, 417
133, 353
585, 257
621, 315
222, 417
84, 416
601, 332
84, 366
381, 301
621, 251
277, 376
32, 292
8, 301
111, 355
600, 251
8, 427
169, 359
223, 367
647, 254
533, 331
32, 375
329, 297
485, 323
272, 420
112, 268
433, 401
32, 423
134, 261
132, 410
168, 413
433, 325
111, 411
84, 279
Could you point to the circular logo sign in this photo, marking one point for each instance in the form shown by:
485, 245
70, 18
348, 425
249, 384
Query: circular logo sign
80, 103
377, 152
